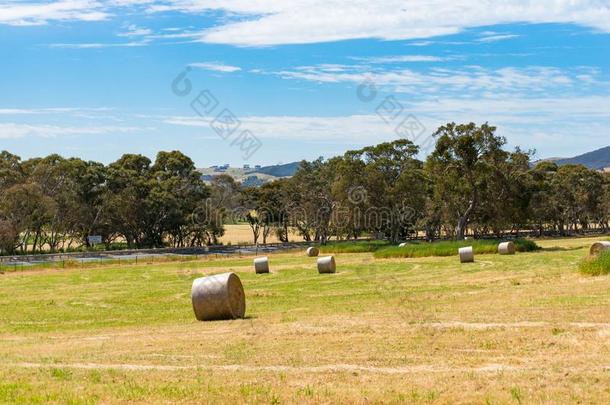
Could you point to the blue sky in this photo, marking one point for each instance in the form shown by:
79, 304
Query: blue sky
94, 78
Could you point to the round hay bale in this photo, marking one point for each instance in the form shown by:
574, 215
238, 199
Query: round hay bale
218, 297
261, 265
403, 244
327, 265
466, 254
598, 248
313, 251
506, 248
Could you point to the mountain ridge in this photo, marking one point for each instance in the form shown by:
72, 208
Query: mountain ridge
598, 159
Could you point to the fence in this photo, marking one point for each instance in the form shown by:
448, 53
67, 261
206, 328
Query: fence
124, 257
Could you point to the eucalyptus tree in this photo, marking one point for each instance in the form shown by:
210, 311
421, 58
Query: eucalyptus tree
463, 158
124, 203
11, 171
579, 192
176, 190
311, 201
395, 187
543, 207
505, 193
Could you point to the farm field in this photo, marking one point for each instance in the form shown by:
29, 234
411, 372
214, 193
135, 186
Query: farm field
241, 234
507, 329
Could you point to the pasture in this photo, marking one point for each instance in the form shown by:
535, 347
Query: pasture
505, 329
241, 234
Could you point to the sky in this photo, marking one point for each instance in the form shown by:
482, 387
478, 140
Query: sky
270, 82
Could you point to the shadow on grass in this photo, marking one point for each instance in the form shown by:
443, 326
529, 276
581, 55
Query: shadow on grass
562, 249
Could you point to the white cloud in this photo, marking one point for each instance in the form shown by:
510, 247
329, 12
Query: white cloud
215, 67
354, 128
13, 130
496, 38
405, 58
135, 31
52, 110
272, 22
553, 125
99, 45
421, 43
16, 111
38, 13
473, 79
309, 21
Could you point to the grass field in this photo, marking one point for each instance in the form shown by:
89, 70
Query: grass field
450, 248
528, 328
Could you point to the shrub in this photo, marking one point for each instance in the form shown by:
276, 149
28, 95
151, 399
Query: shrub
526, 245
354, 246
450, 248
596, 266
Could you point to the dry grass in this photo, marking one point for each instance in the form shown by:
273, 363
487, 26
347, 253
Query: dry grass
506, 329
242, 235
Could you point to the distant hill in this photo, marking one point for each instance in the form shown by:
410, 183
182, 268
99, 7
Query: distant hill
285, 170
598, 159
252, 177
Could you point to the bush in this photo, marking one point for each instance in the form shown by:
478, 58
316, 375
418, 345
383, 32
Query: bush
8, 237
354, 246
526, 245
596, 266
450, 248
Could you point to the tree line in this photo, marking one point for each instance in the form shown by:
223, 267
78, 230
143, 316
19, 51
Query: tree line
469, 184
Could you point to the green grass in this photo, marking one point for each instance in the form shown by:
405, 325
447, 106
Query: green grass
596, 266
73, 264
362, 246
449, 248
384, 249
66, 333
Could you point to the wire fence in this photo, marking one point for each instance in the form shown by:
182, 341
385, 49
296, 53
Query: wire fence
135, 257
164, 255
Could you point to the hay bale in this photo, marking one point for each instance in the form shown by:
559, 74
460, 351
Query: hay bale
261, 265
218, 297
327, 265
313, 251
403, 244
598, 248
506, 248
466, 254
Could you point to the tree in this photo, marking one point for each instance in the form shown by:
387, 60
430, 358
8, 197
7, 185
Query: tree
505, 195
124, 203
175, 193
464, 155
11, 172
392, 186
579, 193
9, 237
28, 210
312, 204
265, 211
